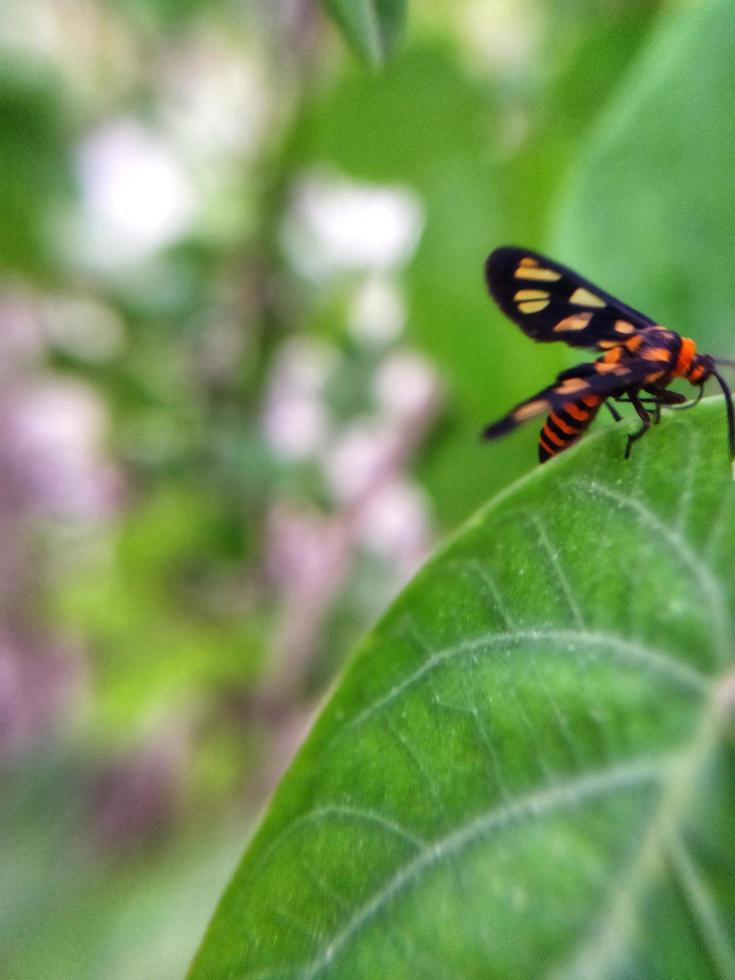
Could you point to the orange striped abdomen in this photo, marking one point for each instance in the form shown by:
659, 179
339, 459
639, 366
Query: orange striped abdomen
563, 427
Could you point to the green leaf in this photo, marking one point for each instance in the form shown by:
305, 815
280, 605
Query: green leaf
528, 768
372, 27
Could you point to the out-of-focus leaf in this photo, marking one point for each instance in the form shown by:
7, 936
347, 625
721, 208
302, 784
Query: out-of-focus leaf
372, 27
650, 209
35, 167
529, 767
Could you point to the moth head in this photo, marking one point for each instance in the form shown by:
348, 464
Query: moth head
701, 369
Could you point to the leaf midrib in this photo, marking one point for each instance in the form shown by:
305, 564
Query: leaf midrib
638, 772
601, 949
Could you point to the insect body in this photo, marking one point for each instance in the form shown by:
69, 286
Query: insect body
641, 358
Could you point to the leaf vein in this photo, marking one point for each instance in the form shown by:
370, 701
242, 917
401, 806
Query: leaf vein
703, 909
709, 584
561, 577
657, 661
339, 811
624, 777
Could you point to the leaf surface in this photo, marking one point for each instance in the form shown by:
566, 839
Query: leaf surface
528, 767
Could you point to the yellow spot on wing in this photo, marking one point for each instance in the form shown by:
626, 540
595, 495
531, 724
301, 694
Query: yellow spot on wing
529, 272
528, 262
572, 384
533, 305
530, 409
606, 367
531, 300
657, 354
622, 326
578, 321
583, 297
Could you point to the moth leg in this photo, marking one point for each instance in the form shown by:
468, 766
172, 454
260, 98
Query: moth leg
665, 396
688, 402
645, 419
624, 400
613, 411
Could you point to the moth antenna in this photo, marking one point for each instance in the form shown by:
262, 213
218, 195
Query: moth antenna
730, 413
725, 361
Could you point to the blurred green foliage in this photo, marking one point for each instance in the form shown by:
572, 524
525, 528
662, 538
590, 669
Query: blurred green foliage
372, 26
597, 129
649, 185
35, 151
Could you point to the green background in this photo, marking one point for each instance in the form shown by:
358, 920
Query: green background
153, 697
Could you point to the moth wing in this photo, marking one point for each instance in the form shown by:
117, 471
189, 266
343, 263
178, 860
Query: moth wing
587, 384
551, 302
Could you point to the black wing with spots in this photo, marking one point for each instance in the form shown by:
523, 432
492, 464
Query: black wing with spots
550, 302
586, 385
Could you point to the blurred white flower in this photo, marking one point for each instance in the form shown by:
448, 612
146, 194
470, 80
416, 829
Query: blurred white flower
357, 460
406, 385
216, 98
55, 431
21, 337
502, 33
295, 419
295, 426
38, 684
136, 194
305, 363
77, 37
378, 313
394, 524
337, 224
307, 553
369, 451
